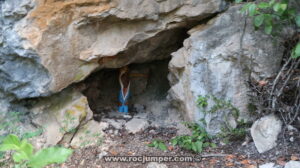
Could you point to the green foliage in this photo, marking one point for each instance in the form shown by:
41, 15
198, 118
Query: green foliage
202, 101
272, 15
219, 104
23, 154
10, 124
28, 135
231, 134
296, 51
196, 142
159, 144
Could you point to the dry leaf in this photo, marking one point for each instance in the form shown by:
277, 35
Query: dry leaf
113, 152
229, 164
293, 157
170, 148
262, 83
281, 161
245, 162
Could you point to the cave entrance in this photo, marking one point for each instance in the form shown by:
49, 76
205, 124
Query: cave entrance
148, 90
149, 83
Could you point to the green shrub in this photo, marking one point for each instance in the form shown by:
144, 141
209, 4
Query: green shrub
159, 144
24, 155
273, 15
199, 139
232, 134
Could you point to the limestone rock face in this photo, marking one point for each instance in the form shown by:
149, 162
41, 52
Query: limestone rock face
265, 131
21, 74
209, 64
61, 114
47, 45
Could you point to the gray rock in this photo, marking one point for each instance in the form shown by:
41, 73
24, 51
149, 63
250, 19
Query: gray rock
103, 153
61, 114
117, 124
267, 165
265, 131
89, 134
209, 64
136, 125
139, 107
21, 73
292, 164
156, 165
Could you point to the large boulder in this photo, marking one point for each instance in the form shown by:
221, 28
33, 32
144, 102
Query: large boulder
211, 64
61, 114
265, 131
292, 164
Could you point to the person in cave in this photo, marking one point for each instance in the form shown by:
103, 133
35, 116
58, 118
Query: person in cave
124, 80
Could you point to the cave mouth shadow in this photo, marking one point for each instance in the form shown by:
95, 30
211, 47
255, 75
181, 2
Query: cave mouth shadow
148, 84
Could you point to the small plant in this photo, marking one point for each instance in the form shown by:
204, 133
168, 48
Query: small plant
272, 15
199, 139
202, 101
219, 104
231, 134
24, 155
159, 144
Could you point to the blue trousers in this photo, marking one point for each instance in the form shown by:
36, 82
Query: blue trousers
123, 108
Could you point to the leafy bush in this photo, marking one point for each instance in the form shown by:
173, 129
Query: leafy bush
24, 155
219, 104
196, 142
199, 139
231, 134
272, 15
159, 144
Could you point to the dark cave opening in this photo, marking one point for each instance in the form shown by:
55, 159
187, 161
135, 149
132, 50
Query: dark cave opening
148, 70
148, 83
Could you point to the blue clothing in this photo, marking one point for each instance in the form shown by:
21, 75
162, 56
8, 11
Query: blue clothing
123, 100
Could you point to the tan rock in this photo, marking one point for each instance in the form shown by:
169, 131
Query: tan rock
61, 114
89, 134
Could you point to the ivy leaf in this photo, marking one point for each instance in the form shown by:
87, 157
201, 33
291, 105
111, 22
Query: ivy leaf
283, 7
151, 145
213, 145
252, 9
20, 156
259, 20
11, 142
298, 20
263, 5
26, 148
280, 7
199, 145
162, 146
48, 156
271, 2
276, 7
296, 51
268, 29
245, 7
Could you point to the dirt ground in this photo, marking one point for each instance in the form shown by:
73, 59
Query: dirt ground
233, 154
